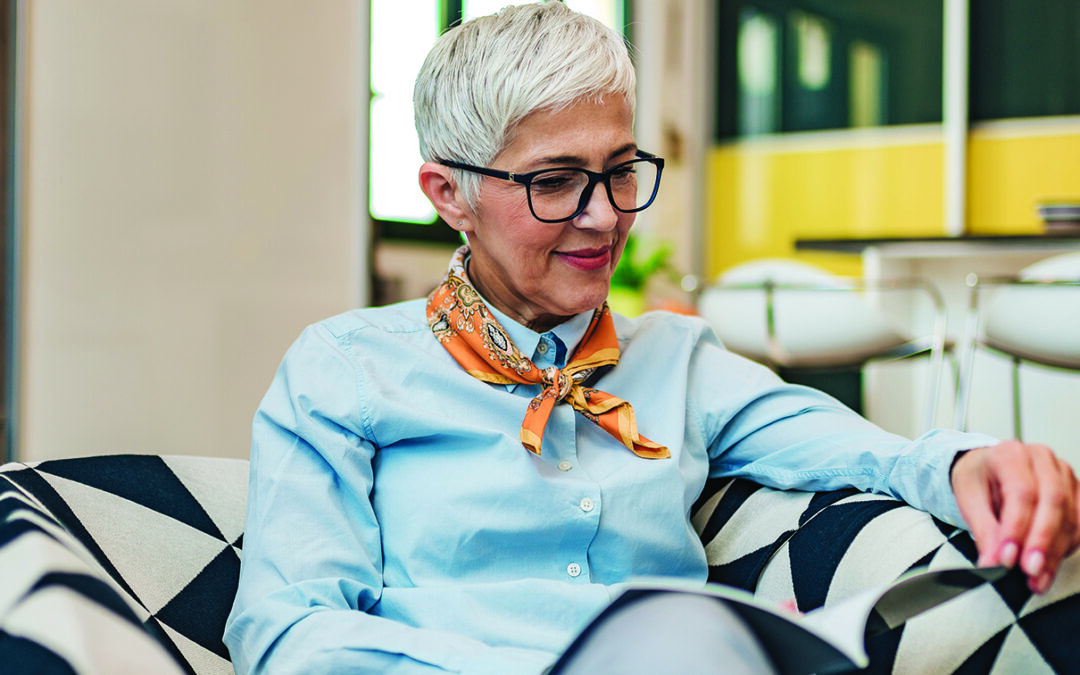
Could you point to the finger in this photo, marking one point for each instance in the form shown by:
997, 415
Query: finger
1053, 525
1041, 583
978, 500
1053, 530
984, 526
1011, 467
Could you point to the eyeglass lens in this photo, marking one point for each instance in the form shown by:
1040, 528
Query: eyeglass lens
556, 194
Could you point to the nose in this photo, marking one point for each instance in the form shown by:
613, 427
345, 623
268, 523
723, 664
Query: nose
599, 213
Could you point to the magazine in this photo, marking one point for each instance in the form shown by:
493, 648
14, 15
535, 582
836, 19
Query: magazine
829, 639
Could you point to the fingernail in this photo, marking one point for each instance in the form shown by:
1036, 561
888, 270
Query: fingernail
1041, 583
1033, 563
1009, 551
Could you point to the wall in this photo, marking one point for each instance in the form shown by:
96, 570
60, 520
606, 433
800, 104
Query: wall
768, 192
191, 198
885, 182
1015, 164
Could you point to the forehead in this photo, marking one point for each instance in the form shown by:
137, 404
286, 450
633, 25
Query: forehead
588, 130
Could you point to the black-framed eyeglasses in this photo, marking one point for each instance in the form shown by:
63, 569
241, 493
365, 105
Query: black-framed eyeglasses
560, 194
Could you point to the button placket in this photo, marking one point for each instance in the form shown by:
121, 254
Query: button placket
577, 494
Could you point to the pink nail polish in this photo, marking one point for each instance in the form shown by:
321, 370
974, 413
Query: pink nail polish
1033, 563
1040, 584
1008, 554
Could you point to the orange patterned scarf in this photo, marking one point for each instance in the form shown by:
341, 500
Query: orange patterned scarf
462, 323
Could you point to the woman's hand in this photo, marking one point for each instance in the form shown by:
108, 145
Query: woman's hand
1022, 503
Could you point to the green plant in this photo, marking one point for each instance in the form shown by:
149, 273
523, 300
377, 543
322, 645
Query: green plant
639, 263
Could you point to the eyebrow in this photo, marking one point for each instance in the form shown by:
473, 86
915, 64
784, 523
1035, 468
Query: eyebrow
575, 160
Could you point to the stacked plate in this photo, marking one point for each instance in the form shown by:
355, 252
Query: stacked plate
1060, 216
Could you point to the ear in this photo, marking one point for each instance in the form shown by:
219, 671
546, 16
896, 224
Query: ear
442, 191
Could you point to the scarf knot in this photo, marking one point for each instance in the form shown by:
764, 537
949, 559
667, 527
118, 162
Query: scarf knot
559, 382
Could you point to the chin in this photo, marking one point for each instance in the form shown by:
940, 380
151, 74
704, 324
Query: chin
590, 301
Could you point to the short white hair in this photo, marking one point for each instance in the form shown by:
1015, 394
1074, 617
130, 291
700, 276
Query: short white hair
483, 77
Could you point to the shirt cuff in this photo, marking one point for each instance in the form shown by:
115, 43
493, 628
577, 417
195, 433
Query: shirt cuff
927, 480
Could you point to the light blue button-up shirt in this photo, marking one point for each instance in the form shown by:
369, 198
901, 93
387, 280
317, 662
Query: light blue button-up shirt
396, 524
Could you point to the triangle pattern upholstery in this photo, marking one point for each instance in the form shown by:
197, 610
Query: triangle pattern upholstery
59, 613
164, 532
845, 542
149, 562
141, 479
144, 551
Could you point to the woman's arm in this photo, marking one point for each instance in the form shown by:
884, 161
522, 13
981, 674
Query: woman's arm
1021, 502
312, 558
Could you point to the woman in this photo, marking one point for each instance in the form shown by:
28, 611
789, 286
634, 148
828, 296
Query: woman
460, 483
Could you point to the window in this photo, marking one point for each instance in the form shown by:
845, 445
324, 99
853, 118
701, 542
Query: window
813, 44
758, 64
814, 96
867, 85
401, 35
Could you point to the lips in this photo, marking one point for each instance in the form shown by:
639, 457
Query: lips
586, 259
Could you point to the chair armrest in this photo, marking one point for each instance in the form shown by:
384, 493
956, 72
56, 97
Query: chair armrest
59, 611
165, 530
818, 548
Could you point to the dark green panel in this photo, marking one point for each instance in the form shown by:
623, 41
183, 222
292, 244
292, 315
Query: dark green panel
907, 36
1025, 58
844, 385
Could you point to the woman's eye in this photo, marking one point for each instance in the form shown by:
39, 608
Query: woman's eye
623, 173
553, 182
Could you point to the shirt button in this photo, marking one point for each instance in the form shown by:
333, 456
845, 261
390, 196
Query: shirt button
586, 505
565, 466
573, 569
542, 348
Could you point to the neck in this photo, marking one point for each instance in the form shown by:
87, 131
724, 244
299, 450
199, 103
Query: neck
544, 323
540, 323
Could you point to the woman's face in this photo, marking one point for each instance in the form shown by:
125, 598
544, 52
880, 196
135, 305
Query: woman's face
542, 273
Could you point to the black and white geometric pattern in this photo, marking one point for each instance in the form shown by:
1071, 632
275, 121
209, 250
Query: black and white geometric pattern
165, 531
129, 564
817, 548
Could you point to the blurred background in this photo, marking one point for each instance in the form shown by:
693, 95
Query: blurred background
189, 183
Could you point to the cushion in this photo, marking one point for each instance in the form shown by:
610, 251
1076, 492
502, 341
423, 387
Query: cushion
1054, 310
815, 548
820, 319
165, 532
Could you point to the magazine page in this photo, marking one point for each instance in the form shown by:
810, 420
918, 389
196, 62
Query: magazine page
832, 639
848, 623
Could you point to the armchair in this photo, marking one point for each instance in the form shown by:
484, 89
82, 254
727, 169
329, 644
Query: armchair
129, 563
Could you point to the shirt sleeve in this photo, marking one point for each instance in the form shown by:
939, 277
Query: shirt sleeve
312, 560
795, 437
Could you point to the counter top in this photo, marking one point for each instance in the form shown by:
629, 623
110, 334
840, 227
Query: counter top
946, 246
